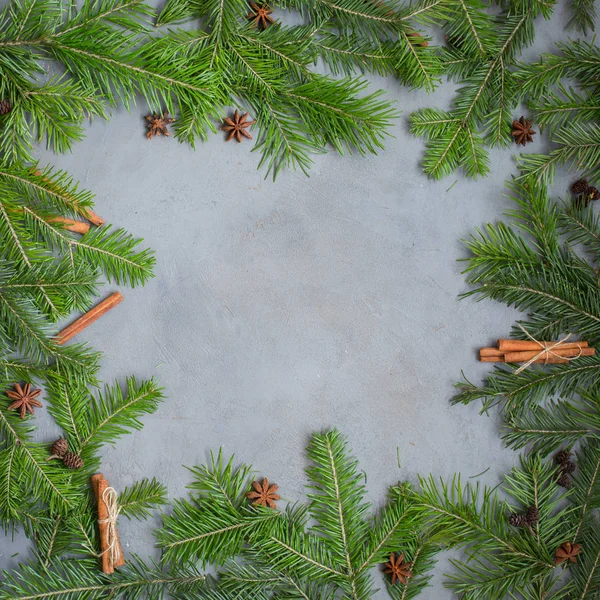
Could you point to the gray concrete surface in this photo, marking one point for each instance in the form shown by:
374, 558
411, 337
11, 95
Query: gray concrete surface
279, 309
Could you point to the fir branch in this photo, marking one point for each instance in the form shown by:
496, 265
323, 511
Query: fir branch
337, 503
136, 501
68, 580
318, 551
499, 560
489, 90
43, 480
112, 414
546, 429
583, 15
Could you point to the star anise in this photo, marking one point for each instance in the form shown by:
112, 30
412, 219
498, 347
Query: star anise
237, 125
398, 569
264, 494
522, 132
157, 124
566, 552
24, 399
260, 15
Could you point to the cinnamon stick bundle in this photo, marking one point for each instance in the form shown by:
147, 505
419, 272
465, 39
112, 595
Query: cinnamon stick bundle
99, 486
523, 351
88, 318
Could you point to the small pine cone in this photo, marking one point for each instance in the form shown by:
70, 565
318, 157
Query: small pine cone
564, 480
592, 193
59, 448
568, 467
5, 107
533, 515
517, 520
72, 460
562, 457
580, 186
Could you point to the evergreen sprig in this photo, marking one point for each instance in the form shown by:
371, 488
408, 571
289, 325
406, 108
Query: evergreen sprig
482, 52
81, 579
501, 560
531, 265
298, 111
320, 550
561, 93
109, 55
53, 502
544, 262
47, 272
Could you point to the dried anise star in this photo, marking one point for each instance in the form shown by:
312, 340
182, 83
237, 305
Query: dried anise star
260, 15
24, 399
566, 552
237, 125
398, 569
264, 494
522, 132
157, 124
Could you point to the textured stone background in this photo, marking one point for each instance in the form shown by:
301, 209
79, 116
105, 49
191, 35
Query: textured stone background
279, 309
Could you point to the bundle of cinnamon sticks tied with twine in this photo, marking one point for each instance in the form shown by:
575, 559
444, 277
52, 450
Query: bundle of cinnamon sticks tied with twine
111, 552
533, 351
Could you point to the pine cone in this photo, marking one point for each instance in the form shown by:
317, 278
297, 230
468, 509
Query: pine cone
5, 107
580, 186
533, 515
564, 480
564, 456
517, 520
592, 193
72, 460
59, 449
568, 467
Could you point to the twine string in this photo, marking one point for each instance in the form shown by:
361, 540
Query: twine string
109, 497
546, 350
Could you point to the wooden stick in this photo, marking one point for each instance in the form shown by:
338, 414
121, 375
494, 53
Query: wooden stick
71, 225
99, 484
515, 357
92, 315
522, 345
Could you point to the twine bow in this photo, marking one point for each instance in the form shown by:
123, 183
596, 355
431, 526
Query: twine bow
545, 350
109, 497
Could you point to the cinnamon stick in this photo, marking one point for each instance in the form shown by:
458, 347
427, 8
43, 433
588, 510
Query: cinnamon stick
99, 484
523, 345
93, 218
71, 225
491, 352
491, 359
515, 357
88, 318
